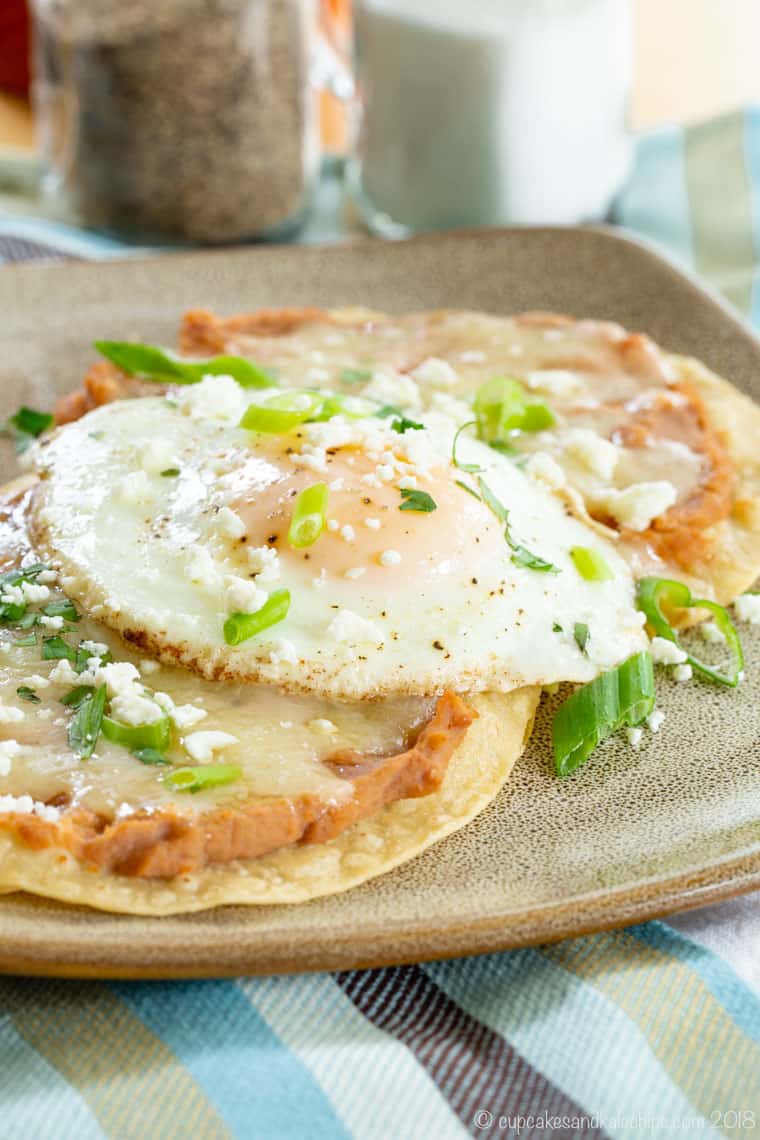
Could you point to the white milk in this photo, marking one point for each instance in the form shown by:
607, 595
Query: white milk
490, 111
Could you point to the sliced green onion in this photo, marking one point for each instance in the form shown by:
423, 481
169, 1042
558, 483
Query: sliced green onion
206, 776
309, 516
170, 473
590, 564
537, 417
76, 695
501, 407
328, 407
27, 694
29, 639
151, 756
623, 696
521, 556
417, 501
157, 734
239, 627
336, 404
470, 468
26, 425
581, 635
654, 593
153, 363
86, 723
282, 413
65, 609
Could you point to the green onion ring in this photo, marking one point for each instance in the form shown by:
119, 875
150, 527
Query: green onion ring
207, 776
653, 593
136, 736
309, 516
280, 414
239, 627
590, 564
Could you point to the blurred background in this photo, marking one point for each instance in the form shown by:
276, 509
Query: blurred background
695, 58
155, 124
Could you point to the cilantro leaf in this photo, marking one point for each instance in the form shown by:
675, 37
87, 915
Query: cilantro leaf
416, 501
26, 425
402, 424
581, 635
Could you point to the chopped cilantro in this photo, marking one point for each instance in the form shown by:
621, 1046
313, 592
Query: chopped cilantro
581, 635
402, 424
355, 375
64, 608
150, 756
466, 487
521, 556
26, 425
76, 695
387, 410
55, 648
416, 501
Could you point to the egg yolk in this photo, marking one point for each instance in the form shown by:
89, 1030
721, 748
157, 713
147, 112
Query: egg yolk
367, 535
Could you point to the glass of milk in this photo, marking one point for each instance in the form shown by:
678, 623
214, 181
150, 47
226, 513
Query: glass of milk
487, 112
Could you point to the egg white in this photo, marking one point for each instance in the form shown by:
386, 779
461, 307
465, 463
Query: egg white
157, 557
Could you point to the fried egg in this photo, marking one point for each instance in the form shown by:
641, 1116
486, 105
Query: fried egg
165, 517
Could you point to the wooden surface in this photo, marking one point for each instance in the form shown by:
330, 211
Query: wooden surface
695, 58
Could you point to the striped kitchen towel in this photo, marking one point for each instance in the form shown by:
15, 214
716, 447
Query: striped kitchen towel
653, 1031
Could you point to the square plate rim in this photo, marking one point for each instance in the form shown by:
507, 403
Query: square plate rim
605, 908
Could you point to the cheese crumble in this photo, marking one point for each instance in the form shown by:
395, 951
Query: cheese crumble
665, 652
203, 745
747, 608
350, 628
638, 505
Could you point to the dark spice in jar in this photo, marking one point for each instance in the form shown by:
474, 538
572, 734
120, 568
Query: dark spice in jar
184, 119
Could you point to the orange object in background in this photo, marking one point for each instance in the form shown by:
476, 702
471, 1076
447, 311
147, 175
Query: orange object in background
336, 21
14, 47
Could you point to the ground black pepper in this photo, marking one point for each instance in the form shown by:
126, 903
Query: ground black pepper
178, 119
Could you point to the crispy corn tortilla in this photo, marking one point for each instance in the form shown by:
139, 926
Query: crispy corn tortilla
373, 846
731, 564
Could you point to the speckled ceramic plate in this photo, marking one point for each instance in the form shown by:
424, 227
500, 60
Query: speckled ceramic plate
635, 834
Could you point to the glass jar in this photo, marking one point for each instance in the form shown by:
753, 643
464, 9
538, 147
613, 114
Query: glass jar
492, 112
185, 120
